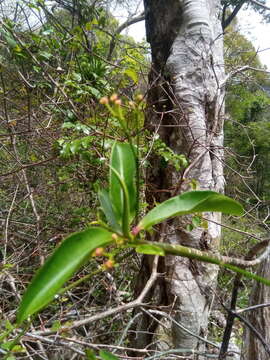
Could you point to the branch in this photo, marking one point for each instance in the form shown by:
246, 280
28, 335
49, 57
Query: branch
254, 330
52, 342
226, 21
254, 307
192, 253
239, 70
231, 314
25, 166
255, 2
135, 303
126, 24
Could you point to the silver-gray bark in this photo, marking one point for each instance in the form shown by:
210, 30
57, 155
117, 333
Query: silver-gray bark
186, 109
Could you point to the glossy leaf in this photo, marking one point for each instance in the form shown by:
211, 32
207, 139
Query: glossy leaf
124, 163
188, 203
106, 206
125, 211
67, 258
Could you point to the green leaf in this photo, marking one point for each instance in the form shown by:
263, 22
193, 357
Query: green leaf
196, 221
124, 163
188, 203
45, 55
106, 206
56, 325
150, 250
75, 146
67, 258
90, 354
105, 355
132, 74
94, 92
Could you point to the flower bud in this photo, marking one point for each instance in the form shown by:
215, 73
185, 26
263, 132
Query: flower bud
109, 264
114, 237
98, 252
135, 231
131, 104
118, 102
104, 100
113, 97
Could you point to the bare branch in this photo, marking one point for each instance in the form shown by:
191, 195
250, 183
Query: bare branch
123, 26
258, 3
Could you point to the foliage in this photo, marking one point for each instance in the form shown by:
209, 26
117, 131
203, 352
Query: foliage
247, 103
55, 139
119, 206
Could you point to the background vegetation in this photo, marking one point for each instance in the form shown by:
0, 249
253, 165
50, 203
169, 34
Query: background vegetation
56, 63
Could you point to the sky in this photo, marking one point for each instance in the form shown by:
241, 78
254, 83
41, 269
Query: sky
251, 25
258, 32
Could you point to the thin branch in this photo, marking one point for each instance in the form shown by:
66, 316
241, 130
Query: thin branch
239, 70
254, 307
170, 318
135, 303
52, 342
231, 314
226, 21
25, 166
123, 26
7, 223
254, 330
263, 6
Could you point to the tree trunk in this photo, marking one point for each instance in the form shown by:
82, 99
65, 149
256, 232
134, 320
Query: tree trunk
186, 110
259, 318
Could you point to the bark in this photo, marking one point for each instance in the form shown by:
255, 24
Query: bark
254, 347
186, 109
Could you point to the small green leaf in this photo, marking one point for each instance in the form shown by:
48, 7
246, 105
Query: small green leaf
188, 203
196, 221
9, 345
90, 355
45, 55
105, 355
94, 92
67, 258
8, 325
18, 349
75, 146
56, 325
150, 250
124, 163
132, 74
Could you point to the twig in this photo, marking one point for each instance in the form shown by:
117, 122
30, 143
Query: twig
254, 307
164, 314
52, 342
7, 224
135, 303
232, 313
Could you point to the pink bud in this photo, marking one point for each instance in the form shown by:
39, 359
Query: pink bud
135, 230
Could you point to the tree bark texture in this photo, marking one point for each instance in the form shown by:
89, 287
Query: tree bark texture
186, 106
259, 318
